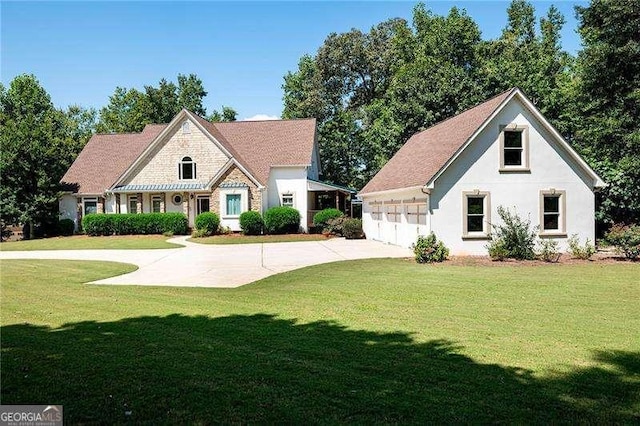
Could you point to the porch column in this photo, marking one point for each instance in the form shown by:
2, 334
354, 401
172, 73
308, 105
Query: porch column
185, 204
163, 200
139, 203
100, 205
118, 203
338, 201
79, 213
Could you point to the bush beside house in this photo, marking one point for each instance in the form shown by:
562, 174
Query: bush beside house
207, 223
251, 223
134, 224
282, 220
322, 218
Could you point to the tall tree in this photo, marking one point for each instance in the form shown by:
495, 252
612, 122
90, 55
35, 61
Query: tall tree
191, 93
609, 103
33, 154
226, 114
128, 111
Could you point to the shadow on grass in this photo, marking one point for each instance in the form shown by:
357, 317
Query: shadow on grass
259, 368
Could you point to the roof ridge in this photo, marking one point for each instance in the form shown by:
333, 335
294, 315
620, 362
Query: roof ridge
262, 121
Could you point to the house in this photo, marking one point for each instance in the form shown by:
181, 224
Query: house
451, 178
192, 165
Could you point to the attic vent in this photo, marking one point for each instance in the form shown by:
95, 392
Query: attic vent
185, 127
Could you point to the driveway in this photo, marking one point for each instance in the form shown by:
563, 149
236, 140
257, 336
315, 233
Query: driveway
225, 266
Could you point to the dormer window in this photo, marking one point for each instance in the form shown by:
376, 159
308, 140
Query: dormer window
185, 128
514, 148
187, 169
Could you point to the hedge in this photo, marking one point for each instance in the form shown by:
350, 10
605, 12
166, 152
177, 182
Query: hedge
133, 224
251, 223
322, 218
207, 223
282, 220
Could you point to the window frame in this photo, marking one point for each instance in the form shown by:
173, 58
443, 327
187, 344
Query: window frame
226, 205
376, 210
288, 195
173, 199
486, 214
131, 198
186, 128
187, 161
158, 198
86, 200
524, 130
199, 199
417, 210
393, 212
244, 201
561, 231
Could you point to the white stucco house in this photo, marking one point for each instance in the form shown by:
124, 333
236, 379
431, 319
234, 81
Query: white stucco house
451, 178
192, 165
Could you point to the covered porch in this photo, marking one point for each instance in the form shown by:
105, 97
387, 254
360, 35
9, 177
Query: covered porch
322, 195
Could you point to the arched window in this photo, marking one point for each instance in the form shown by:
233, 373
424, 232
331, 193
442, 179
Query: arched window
187, 169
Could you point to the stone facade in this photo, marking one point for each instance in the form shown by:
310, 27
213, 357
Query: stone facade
235, 175
164, 160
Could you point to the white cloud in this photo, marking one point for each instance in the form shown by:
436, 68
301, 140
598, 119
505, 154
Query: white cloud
261, 117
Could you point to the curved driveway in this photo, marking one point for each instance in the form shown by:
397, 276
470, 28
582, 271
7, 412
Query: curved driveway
202, 265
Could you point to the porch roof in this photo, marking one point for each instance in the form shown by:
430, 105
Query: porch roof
316, 185
160, 188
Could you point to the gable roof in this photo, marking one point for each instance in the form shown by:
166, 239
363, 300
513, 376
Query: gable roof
254, 146
105, 157
264, 144
427, 154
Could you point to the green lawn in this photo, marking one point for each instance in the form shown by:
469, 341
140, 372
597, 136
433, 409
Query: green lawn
256, 239
83, 242
373, 341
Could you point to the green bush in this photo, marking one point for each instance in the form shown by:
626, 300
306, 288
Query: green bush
251, 223
334, 226
548, 250
208, 222
428, 249
626, 239
133, 224
352, 229
282, 220
322, 218
66, 227
497, 249
581, 252
515, 236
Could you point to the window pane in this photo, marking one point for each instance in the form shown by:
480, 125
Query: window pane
512, 157
233, 204
90, 207
512, 139
287, 200
187, 171
551, 221
475, 205
551, 204
474, 223
156, 205
203, 205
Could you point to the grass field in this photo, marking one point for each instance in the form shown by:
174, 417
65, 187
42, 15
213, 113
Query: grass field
83, 242
373, 341
256, 239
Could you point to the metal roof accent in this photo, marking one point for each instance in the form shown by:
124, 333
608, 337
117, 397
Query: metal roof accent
233, 185
163, 187
316, 185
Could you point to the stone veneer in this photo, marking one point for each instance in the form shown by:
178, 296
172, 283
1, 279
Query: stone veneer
235, 175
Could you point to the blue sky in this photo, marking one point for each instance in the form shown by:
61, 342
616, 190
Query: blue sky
80, 51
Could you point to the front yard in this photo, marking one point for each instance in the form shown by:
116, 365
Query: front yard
372, 341
84, 242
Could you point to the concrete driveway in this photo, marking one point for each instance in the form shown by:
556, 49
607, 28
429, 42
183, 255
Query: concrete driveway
226, 266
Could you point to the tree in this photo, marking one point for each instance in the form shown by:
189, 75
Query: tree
608, 103
227, 114
34, 154
191, 93
127, 111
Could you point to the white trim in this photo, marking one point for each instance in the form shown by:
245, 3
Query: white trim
387, 191
244, 201
288, 194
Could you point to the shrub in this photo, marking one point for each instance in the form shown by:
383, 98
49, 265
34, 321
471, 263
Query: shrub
517, 237
428, 249
497, 250
352, 229
626, 239
580, 252
251, 223
281, 220
199, 233
132, 224
548, 251
208, 222
334, 226
66, 227
322, 218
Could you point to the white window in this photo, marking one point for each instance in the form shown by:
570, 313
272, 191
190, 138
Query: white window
133, 204
156, 204
187, 169
394, 211
233, 204
476, 214
185, 127
287, 200
90, 205
514, 148
203, 204
376, 210
552, 212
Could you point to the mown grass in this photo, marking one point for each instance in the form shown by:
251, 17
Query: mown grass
83, 242
257, 239
372, 341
